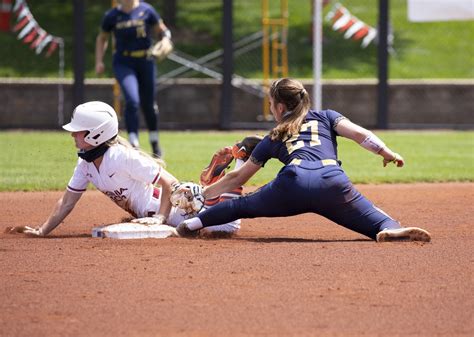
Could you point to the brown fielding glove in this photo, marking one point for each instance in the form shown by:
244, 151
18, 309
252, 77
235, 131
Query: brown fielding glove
162, 49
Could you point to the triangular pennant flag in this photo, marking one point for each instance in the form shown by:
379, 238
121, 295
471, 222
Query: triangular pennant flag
24, 11
361, 33
343, 21
31, 32
348, 25
43, 44
20, 24
52, 47
27, 29
354, 28
18, 5
41, 36
30, 37
336, 12
369, 37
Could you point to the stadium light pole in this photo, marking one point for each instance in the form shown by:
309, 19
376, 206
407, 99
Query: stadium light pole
382, 59
227, 66
78, 53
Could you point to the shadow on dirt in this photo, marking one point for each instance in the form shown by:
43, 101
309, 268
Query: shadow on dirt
299, 240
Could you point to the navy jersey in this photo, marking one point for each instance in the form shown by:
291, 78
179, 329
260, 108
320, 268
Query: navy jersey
132, 31
316, 140
309, 185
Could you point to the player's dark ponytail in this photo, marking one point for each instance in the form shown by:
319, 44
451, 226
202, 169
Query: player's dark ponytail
294, 96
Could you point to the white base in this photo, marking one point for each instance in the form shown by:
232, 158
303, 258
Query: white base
129, 230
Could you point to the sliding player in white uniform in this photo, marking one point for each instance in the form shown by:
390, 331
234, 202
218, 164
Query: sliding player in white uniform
132, 179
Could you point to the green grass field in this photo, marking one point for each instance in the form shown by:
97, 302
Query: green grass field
38, 161
421, 50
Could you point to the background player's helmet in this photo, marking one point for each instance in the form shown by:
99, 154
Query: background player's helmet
96, 117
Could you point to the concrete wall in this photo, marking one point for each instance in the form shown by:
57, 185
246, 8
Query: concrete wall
194, 103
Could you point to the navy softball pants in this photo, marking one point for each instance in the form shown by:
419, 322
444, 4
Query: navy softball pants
137, 77
326, 191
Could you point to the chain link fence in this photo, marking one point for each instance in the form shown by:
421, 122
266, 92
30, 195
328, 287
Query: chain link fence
418, 51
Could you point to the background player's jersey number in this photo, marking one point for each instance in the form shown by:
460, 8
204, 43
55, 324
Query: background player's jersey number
141, 32
298, 141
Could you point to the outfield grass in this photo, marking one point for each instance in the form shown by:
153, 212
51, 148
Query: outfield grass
421, 50
37, 161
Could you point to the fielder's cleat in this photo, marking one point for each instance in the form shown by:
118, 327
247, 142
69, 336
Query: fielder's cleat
185, 232
404, 234
216, 168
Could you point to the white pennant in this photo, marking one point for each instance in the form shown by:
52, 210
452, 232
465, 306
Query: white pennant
27, 29
369, 37
43, 44
18, 3
24, 12
342, 21
333, 12
353, 29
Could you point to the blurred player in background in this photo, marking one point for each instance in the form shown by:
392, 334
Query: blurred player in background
134, 180
312, 179
135, 25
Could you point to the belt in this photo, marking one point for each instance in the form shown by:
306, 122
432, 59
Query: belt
135, 53
314, 164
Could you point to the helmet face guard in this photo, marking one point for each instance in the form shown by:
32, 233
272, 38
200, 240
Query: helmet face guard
96, 117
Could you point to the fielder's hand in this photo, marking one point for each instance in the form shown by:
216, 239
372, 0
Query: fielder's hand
188, 197
161, 49
397, 160
158, 219
24, 230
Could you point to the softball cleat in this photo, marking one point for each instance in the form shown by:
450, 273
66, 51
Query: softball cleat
216, 169
183, 231
404, 234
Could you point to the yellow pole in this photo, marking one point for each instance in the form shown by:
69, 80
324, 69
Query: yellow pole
265, 57
274, 47
284, 38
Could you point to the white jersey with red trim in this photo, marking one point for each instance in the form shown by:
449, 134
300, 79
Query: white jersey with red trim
126, 176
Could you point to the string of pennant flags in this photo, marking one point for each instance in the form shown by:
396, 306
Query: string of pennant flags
30, 32
343, 21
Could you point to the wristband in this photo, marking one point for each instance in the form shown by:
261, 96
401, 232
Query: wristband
167, 34
373, 143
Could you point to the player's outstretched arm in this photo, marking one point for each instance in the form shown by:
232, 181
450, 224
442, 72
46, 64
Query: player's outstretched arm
368, 140
61, 210
166, 181
101, 44
232, 180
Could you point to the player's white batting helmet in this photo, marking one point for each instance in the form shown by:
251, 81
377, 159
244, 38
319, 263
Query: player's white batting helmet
96, 117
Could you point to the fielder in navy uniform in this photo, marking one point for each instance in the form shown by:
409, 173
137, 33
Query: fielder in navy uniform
312, 179
135, 25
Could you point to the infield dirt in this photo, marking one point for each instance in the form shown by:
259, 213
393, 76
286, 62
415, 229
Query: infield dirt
297, 276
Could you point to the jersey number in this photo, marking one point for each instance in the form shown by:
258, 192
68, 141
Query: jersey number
141, 31
298, 141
